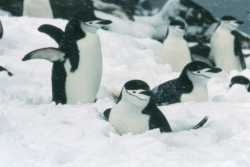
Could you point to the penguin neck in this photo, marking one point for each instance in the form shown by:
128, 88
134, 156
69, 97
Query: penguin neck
130, 107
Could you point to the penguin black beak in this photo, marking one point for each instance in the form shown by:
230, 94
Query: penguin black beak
105, 22
215, 70
239, 22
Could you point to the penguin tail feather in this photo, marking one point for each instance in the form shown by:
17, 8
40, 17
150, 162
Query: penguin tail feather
201, 123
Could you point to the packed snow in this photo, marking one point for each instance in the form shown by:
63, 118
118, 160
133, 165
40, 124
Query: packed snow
34, 132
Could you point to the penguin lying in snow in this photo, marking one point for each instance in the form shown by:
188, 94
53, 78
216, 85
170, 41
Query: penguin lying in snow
1, 30
226, 48
136, 112
175, 50
77, 63
7, 71
191, 85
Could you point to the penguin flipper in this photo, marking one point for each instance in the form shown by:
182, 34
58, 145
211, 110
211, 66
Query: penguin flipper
1, 30
106, 114
238, 49
4, 69
50, 54
201, 123
53, 31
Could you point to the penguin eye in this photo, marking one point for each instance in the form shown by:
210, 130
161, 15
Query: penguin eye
198, 71
133, 91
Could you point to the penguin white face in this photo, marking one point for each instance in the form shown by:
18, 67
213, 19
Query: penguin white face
136, 92
230, 23
93, 25
199, 71
136, 97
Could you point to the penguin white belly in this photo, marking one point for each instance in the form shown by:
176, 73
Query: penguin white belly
127, 118
37, 8
222, 50
176, 53
199, 94
83, 84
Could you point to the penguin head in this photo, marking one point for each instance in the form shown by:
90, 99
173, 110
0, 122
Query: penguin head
200, 72
94, 25
230, 22
240, 81
136, 92
88, 20
177, 27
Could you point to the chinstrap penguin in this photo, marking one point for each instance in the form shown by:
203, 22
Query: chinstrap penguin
135, 112
77, 63
191, 85
175, 50
226, 48
5, 70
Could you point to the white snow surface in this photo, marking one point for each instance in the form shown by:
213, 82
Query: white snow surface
34, 132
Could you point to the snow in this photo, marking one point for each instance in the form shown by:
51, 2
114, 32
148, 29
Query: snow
35, 132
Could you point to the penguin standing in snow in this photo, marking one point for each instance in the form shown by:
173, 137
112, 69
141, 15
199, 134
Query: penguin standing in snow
175, 49
77, 63
1, 30
191, 85
226, 48
136, 112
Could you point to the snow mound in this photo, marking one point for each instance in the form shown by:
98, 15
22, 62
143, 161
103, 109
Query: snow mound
35, 132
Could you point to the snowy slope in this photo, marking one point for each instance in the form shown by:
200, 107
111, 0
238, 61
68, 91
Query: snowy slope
34, 132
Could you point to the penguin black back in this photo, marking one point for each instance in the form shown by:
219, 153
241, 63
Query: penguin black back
170, 92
